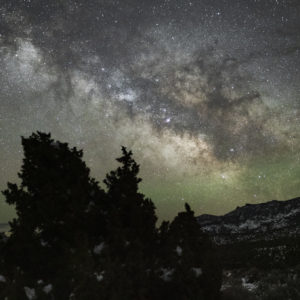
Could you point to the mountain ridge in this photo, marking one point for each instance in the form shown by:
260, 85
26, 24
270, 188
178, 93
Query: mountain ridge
269, 220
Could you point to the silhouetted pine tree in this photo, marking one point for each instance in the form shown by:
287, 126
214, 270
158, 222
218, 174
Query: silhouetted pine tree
130, 210
55, 227
188, 262
132, 233
72, 240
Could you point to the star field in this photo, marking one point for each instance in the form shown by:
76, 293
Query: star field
206, 93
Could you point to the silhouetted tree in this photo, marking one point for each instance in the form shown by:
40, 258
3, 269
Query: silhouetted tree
188, 261
132, 232
54, 224
130, 210
73, 240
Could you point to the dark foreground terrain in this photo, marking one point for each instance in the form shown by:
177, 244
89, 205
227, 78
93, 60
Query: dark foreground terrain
260, 248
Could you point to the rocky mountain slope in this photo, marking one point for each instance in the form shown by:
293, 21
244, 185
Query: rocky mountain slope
252, 222
263, 236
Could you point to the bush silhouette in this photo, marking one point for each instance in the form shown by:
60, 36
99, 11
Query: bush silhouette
73, 240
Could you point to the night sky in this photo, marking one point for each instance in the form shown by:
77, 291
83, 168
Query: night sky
206, 93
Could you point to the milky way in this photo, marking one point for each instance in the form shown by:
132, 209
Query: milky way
206, 93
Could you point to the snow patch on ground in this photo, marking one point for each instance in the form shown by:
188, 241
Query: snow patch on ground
166, 274
30, 293
48, 288
249, 286
98, 248
198, 271
178, 250
100, 276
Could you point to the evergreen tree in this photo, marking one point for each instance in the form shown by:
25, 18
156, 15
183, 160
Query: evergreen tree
132, 232
134, 213
54, 224
188, 262
72, 240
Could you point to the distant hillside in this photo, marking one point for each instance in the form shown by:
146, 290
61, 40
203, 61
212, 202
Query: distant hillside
265, 234
268, 220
